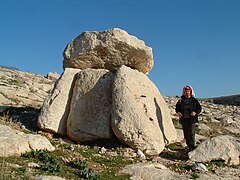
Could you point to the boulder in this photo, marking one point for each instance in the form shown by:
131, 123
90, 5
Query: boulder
152, 171
15, 143
49, 178
90, 112
108, 50
53, 75
140, 116
222, 147
37, 142
55, 109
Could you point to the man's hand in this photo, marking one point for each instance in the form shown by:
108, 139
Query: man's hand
193, 113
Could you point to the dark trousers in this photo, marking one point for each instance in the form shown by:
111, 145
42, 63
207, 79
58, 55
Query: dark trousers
189, 132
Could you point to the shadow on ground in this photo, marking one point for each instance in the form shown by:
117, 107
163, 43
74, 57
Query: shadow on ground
175, 151
27, 116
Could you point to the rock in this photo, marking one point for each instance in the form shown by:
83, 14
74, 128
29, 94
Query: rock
152, 171
141, 155
15, 143
53, 76
140, 115
228, 173
37, 142
199, 167
204, 128
90, 112
227, 120
55, 109
108, 50
12, 142
19, 88
217, 148
49, 178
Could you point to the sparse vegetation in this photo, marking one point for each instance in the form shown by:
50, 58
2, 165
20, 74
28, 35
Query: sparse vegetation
7, 120
58, 163
176, 123
85, 161
74, 161
194, 176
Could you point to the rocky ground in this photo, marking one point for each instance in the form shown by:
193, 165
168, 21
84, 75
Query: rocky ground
22, 94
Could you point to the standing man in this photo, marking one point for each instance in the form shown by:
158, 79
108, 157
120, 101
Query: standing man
188, 108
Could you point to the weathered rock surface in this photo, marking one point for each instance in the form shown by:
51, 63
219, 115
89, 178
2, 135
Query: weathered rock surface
19, 88
90, 112
49, 178
14, 142
152, 171
108, 50
217, 148
140, 115
55, 109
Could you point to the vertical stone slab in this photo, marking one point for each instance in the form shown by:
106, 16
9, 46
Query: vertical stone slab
90, 112
140, 116
53, 115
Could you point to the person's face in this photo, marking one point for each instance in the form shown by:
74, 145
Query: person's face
187, 92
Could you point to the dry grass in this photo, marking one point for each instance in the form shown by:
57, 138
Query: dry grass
8, 121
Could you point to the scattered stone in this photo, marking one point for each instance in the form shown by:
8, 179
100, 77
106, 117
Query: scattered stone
217, 148
199, 167
151, 171
15, 143
53, 76
49, 178
141, 155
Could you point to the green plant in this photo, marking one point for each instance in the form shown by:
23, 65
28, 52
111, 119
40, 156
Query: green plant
197, 129
88, 174
214, 164
176, 123
175, 146
87, 152
194, 176
48, 162
79, 164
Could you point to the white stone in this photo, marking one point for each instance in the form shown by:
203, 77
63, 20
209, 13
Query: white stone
37, 142
90, 112
55, 109
217, 148
140, 116
15, 143
108, 50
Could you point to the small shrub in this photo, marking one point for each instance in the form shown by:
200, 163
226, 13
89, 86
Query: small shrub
176, 123
218, 163
195, 176
79, 164
48, 162
88, 174
50, 167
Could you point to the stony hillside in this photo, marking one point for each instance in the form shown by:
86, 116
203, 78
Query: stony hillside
22, 95
230, 100
19, 88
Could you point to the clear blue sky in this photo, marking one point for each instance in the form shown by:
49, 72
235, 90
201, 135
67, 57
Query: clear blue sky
194, 42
